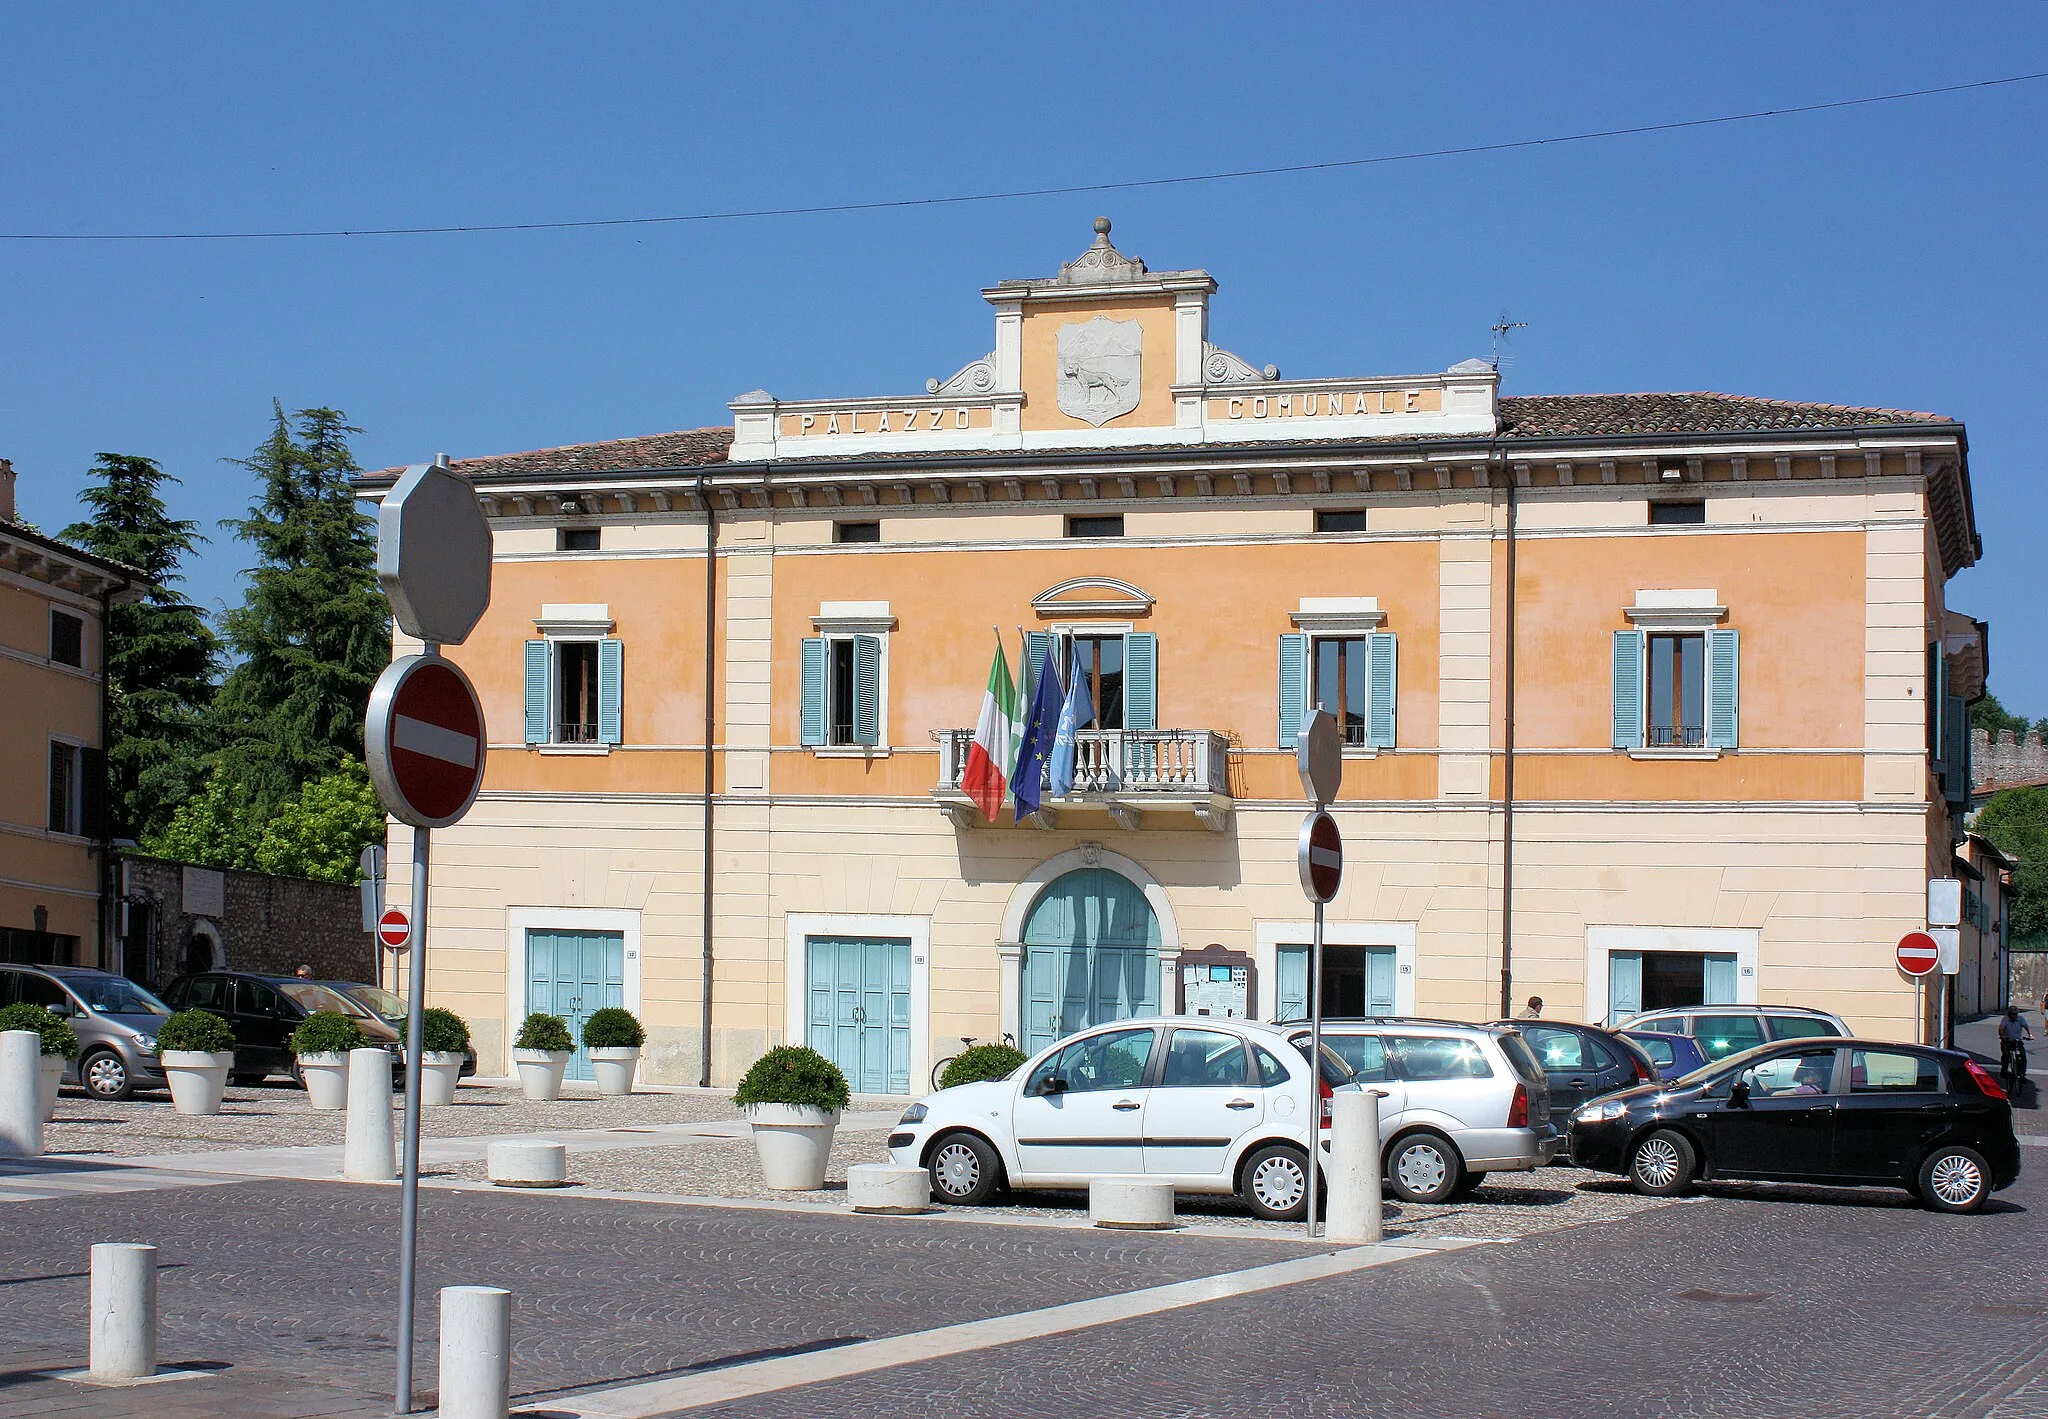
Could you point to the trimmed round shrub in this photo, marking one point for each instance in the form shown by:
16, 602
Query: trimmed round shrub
443, 1031
200, 1030
613, 1028
549, 1032
58, 1036
327, 1032
793, 1074
979, 1062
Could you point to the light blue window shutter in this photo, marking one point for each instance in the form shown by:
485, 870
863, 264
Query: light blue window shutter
1380, 689
1718, 984
1628, 689
536, 692
1141, 680
1624, 984
611, 686
811, 730
867, 690
1724, 664
1293, 686
1037, 646
1955, 758
1290, 995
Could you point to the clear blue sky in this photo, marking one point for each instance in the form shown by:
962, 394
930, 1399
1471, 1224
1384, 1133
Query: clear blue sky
1887, 256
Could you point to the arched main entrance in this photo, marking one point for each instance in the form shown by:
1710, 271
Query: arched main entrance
1091, 954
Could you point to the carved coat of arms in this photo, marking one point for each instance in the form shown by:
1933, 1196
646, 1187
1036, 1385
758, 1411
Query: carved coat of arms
1099, 368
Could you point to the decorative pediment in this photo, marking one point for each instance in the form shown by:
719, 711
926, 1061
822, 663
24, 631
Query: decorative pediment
1219, 366
1101, 263
1092, 596
976, 378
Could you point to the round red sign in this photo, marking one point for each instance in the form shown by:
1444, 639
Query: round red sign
1321, 857
1918, 955
425, 741
393, 929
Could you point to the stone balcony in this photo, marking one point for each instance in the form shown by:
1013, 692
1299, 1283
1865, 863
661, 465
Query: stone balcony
1138, 777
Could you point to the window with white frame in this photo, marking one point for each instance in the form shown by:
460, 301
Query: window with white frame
1676, 676
843, 689
67, 638
1118, 669
1341, 661
574, 679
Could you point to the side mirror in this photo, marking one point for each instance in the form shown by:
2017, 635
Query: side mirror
1738, 1095
1053, 1085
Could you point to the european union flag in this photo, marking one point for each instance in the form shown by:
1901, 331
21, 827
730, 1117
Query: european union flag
1040, 723
1076, 712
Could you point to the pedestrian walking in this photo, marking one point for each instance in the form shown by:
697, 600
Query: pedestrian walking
1533, 1010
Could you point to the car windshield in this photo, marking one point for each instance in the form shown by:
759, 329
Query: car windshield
374, 997
313, 997
116, 995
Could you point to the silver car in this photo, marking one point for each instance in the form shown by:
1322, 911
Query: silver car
1457, 1101
114, 1018
1722, 1030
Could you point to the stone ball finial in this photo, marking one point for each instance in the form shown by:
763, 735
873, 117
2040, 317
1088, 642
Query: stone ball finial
1102, 226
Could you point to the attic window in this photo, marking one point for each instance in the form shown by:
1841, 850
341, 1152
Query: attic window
578, 539
1691, 513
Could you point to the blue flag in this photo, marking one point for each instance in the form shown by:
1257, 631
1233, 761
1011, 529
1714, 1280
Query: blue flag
1076, 713
1040, 722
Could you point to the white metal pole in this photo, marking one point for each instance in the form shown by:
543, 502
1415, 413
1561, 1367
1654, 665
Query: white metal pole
476, 1351
123, 1311
409, 1182
1315, 1071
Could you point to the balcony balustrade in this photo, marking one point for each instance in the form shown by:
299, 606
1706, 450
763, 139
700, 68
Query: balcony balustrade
1125, 771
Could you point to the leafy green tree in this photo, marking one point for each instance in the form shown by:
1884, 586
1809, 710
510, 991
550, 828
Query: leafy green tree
162, 656
1991, 716
2017, 821
313, 632
322, 832
214, 829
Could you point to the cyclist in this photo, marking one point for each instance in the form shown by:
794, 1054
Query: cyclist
2013, 1033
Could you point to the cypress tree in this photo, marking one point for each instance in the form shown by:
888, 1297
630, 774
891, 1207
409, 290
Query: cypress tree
312, 632
161, 656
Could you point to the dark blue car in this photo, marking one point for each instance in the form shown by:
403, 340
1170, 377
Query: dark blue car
1675, 1054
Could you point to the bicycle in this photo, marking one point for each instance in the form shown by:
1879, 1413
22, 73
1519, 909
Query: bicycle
967, 1042
2012, 1068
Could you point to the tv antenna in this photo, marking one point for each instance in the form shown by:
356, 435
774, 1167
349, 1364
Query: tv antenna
1501, 329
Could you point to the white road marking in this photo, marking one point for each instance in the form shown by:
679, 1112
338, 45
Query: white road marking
666, 1396
436, 741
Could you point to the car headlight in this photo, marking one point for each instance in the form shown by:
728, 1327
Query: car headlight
914, 1114
1600, 1111
147, 1042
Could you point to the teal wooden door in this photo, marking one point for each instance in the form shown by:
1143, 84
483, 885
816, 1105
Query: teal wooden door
1091, 955
860, 1008
574, 974
1291, 990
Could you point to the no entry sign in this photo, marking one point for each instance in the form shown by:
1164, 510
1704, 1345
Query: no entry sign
1918, 954
425, 741
393, 929
1321, 857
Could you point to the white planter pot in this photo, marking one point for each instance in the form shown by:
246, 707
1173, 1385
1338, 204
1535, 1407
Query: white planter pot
49, 1074
614, 1069
440, 1070
794, 1142
198, 1078
541, 1070
326, 1079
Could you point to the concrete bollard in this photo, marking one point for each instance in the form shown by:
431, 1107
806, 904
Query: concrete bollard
888, 1188
367, 1154
527, 1162
1354, 1168
21, 1101
123, 1311
476, 1352
1130, 1206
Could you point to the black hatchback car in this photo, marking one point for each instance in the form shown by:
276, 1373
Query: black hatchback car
1582, 1061
1854, 1112
263, 1011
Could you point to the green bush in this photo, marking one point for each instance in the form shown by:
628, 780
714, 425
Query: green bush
57, 1034
327, 1032
978, 1062
443, 1031
200, 1030
613, 1028
550, 1032
792, 1074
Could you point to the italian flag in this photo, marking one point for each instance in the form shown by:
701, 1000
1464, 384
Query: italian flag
990, 758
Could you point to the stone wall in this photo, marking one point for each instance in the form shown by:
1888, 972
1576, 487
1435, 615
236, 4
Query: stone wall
2006, 761
180, 918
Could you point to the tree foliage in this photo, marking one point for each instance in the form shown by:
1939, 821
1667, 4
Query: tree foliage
213, 829
321, 833
2016, 821
1992, 717
161, 654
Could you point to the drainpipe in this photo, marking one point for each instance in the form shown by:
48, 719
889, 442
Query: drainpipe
1507, 831
710, 767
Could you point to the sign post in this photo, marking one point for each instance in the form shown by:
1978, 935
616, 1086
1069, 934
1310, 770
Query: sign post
1319, 758
425, 743
1918, 954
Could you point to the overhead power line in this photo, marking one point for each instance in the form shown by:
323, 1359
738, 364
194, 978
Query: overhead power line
1018, 194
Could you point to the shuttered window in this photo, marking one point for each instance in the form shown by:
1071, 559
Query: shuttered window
1628, 689
575, 691
1353, 677
1724, 684
1293, 686
841, 692
1677, 690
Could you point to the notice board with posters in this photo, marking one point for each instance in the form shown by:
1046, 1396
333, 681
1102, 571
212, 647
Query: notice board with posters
1216, 981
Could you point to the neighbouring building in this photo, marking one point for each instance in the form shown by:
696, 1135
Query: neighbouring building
1650, 699
55, 883
174, 917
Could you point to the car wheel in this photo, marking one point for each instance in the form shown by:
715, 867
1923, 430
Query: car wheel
1274, 1183
1662, 1164
1955, 1179
1424, 1167
105, 1075
965, 1169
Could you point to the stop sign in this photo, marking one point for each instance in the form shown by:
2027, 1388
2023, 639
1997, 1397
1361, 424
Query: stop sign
1321, 857
393, 929
424, 740
1918, 954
